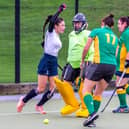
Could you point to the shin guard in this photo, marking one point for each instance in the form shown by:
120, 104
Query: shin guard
81, 95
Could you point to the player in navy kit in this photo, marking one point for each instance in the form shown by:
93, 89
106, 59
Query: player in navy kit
47, 68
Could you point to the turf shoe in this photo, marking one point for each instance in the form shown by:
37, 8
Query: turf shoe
20, 104
92, 125
121, 110
40, 109
90, 119
82, 113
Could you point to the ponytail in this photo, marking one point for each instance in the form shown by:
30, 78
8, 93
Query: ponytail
44, 27
108, 20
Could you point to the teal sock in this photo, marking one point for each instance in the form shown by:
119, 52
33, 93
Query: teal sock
96, 105
122, 97
88, 100
127, 89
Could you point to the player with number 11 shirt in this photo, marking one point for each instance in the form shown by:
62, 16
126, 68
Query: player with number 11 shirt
101, 71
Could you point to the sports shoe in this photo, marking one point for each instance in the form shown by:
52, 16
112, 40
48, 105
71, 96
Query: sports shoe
68, 109
20, 104
40, 109
82, 113
121, 110
92, 125
90, 119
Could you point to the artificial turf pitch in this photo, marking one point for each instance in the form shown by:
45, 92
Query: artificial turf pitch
30, 119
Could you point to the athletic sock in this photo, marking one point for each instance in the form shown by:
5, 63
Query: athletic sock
30, 95
88, 100
46, 96
127, 88
122, 97
97, 102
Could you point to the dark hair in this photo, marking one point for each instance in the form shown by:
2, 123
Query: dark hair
45, 23
108, 20
52, 20
124, 19
58, 20
48, 20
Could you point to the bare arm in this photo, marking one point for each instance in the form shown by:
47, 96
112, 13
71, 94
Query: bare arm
85, 50
117, 50
55, 16
127, 56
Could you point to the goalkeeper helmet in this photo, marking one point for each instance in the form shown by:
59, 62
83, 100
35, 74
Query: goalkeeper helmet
80, 17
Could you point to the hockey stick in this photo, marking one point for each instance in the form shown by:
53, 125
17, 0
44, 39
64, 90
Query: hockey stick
80, 78
59, 66
114, 91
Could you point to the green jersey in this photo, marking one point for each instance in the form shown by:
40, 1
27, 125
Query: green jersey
123, 49
105, 44
76, 46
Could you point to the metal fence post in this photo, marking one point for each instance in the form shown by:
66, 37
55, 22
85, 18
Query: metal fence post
76, 6
17, 41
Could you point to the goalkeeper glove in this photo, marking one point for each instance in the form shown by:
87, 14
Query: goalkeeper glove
62, 7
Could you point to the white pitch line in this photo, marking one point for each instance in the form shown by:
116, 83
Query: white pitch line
25, 113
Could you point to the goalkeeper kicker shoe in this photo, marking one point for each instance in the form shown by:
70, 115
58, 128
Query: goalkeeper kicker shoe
121, 110
68, 109
82, 112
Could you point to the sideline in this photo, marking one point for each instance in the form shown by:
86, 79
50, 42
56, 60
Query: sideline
56, 96
25, 113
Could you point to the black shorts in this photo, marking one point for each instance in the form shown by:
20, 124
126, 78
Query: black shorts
70, 74
96, 72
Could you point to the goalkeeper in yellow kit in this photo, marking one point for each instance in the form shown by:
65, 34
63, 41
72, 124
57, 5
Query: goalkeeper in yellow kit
77, 40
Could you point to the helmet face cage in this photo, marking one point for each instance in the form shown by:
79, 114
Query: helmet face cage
80, 17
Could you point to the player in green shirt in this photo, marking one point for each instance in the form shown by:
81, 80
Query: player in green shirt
77, 40
123, 62
101, 71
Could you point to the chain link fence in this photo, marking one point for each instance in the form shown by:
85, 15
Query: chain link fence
32, 16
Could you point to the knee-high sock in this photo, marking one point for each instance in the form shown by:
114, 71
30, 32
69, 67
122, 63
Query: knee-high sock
88, 100
97, 102
46, 96
127, 88
30, 95
81, 95
122, 97
67, 93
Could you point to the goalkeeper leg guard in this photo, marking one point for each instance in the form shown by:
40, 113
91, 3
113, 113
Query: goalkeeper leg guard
67, 93
83, 111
